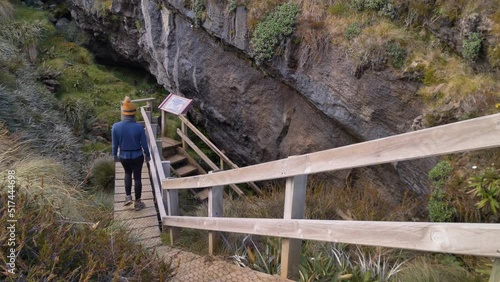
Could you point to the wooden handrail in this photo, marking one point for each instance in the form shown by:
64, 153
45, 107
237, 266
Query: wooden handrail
215, 149
143, 100
460, 238
206, 159
479, 239
155, 163
474, 134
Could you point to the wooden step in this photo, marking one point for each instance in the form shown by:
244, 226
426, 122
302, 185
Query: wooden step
186, 170
168, 143
202, 195
176, 159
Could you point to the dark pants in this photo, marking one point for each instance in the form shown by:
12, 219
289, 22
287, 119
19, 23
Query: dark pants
133, 166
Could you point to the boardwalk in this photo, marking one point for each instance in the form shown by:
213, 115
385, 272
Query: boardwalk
189, 267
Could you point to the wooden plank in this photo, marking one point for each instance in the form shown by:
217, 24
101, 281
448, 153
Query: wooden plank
169, 143
216, 150
474, 134
479, 239
495, 272
215, 209
191, 160
186, 170
142, 100
295, 203
176, 159
206, 159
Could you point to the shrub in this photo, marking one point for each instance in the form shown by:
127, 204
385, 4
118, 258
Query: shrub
102, 174
486, 187
358, 4
269, 33
397, 54
440, 172
352, 31
439, 208
338, 9
471, 46
198, 8
375, 5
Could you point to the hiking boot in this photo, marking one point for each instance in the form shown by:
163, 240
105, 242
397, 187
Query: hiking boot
128, 200
138, 205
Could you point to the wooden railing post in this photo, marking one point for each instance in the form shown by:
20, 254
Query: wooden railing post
215, 209
166, 170
184, 131
163, 124
149, 104
495, 272
154, 128
159, 145
291, 249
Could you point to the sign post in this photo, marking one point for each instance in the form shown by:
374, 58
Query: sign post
173, 104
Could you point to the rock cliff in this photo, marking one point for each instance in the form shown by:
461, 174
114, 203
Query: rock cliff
259, 113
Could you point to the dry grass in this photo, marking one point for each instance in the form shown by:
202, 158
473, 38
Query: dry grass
312, 30
439, 268
258, 9
6, 9
63, 233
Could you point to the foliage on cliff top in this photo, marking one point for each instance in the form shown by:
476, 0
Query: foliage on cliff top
269, 33
406, 35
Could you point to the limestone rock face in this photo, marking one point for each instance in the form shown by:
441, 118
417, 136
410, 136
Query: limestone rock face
258, 114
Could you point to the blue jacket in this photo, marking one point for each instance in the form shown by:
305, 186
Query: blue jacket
130, 138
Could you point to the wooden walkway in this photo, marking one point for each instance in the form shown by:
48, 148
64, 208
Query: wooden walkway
144, 227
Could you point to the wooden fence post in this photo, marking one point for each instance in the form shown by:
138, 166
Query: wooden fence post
184, 131
149, 104
215, 209
291, 249
154, 128
495, 272
171, 202
163, 124
159, 146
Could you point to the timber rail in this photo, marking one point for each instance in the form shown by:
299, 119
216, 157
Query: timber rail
479, 239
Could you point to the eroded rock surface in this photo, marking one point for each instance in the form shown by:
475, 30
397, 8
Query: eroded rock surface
252, 115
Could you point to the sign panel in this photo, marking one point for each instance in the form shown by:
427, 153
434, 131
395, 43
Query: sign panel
175, 104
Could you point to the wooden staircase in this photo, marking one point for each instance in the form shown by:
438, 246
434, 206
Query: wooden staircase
181, 163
